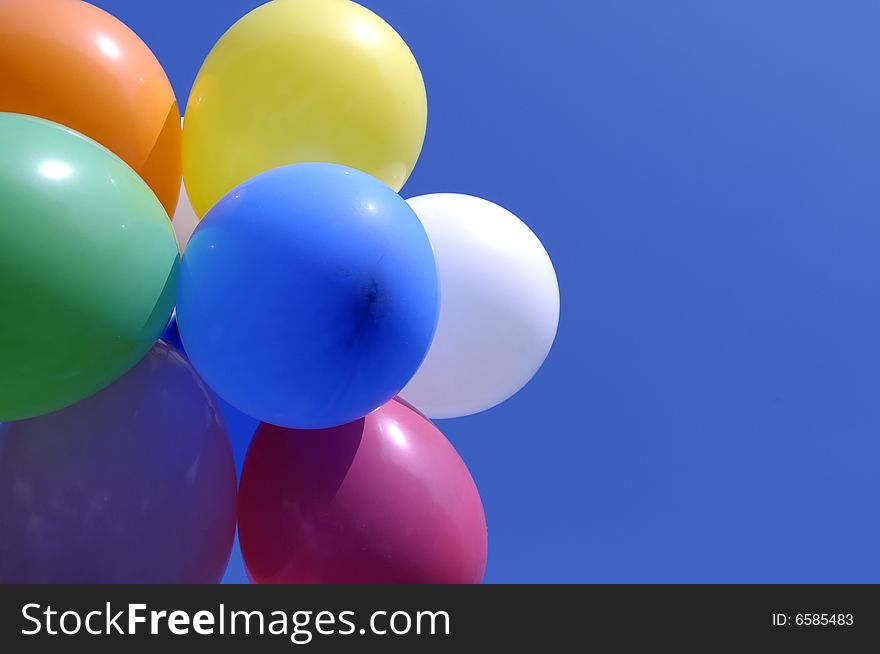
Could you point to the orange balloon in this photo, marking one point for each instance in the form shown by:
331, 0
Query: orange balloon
72, 63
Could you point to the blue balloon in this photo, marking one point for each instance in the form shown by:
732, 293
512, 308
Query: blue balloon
135, 484
308, 296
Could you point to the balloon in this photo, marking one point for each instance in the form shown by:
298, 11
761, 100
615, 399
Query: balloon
241, 428
74, 64
303, 80
308, 296
384, 499
185, 219
134, 485
499, 308
88, 267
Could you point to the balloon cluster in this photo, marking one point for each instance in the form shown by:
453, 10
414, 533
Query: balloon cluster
310, 297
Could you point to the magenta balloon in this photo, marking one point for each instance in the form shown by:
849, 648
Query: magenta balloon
384, 499
134, 485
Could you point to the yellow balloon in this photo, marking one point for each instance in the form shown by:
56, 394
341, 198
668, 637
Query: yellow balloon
303, 80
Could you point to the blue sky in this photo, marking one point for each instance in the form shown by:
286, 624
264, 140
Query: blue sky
705, 177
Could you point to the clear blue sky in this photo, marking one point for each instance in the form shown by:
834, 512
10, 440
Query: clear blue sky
706, 178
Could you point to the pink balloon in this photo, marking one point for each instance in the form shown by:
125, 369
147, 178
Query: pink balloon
383, 499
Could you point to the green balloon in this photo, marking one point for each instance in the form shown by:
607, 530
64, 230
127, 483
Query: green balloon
88, 267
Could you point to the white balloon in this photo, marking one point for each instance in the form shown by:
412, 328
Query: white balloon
499, 306
185, 219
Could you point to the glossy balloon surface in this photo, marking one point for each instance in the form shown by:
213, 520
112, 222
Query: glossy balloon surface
308, 296
384, 499
88, 267
499, 306
298, 81
185, 219
74, 64
133, 485
241, 428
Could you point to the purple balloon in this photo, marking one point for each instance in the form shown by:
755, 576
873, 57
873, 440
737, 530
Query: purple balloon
135, 484
383, 499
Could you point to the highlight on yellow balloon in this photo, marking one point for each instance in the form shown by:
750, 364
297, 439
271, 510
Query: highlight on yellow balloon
303, 80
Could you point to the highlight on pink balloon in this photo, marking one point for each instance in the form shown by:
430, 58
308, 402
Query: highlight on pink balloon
383, 499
